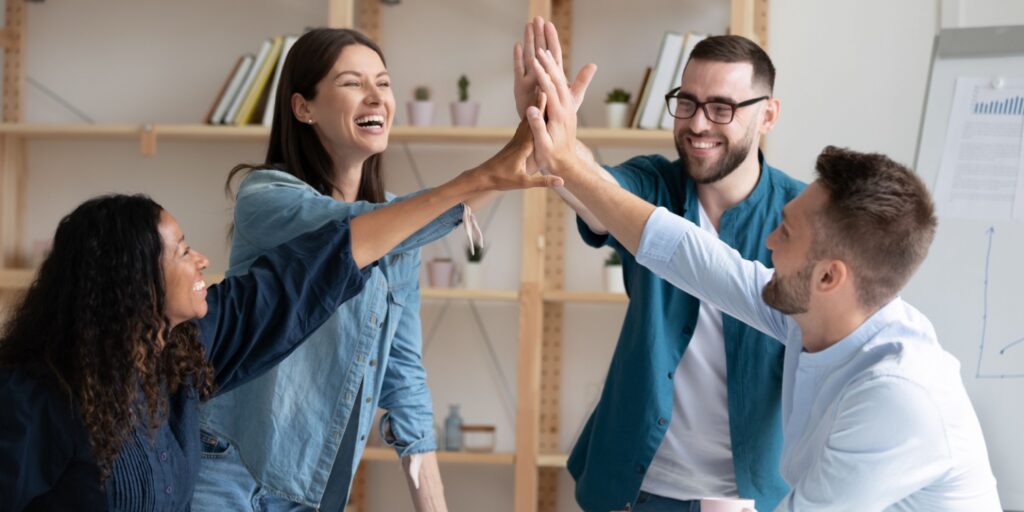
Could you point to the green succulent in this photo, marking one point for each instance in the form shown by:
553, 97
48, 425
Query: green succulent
617, 96
463, 88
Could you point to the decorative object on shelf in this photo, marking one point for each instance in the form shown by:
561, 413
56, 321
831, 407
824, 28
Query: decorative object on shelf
464, 112
453, 429
613, 274
478, 438
421, 109
472, 275
440, 272
617, 104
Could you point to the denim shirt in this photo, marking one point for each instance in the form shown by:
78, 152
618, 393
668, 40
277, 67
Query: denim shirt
288, 425
253, 322
620, 438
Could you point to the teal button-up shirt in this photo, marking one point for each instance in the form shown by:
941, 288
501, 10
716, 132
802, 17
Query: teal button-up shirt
623, 433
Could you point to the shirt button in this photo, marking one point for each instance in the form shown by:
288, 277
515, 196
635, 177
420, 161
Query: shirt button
669, 375
662, 421
169, 490
163, 456
640, 468
369, 399
373, 362
362, 438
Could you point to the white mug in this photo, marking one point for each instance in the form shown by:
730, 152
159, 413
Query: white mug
726, 505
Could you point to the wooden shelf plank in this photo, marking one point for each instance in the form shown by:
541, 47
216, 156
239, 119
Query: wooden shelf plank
463, 293
552, 460
71, 130
258, 133
498, 458
586, 297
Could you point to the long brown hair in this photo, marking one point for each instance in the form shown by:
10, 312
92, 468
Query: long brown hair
294, 146
93, 319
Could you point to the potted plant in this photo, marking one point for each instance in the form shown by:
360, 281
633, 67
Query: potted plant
617, 104
440, 272
421, 109
472, 276
464, 112
613, 274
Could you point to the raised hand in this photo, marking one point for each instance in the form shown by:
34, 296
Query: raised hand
506, 170
554, 139
541, 35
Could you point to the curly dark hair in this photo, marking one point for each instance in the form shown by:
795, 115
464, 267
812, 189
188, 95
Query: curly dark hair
93, 321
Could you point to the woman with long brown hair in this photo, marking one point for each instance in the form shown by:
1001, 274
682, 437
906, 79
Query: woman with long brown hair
105, 361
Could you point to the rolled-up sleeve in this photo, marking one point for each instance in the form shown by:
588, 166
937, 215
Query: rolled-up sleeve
273, 206
408, 423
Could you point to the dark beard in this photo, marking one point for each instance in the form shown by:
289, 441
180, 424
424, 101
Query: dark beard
790, 295
732, 159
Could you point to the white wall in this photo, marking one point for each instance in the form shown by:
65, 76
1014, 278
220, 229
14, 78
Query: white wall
849, 73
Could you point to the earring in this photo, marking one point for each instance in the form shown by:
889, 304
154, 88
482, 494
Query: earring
310, 121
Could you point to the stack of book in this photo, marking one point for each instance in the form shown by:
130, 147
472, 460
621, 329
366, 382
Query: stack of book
248, 93
651, 112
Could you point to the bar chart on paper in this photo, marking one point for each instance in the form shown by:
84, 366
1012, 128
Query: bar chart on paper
982, 160
1013, 106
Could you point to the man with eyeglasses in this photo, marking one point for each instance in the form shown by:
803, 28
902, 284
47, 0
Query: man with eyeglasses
691, 404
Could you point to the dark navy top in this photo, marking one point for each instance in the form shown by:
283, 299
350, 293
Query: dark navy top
254, 321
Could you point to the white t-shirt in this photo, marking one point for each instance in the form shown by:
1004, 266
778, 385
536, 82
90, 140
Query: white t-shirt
694, 459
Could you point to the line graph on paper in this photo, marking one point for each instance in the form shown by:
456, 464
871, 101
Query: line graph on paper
1001, 353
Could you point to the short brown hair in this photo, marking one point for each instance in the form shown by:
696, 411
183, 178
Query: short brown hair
879, 218
732, 49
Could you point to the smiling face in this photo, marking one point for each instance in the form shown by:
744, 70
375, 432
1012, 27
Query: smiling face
354, 106
184, 288
713, 151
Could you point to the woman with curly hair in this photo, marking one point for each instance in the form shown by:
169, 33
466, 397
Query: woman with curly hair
105, 361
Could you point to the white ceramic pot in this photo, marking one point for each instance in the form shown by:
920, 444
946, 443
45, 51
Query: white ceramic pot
472, 275
464, 113
613, 279
440, 273
617, 114
421, 113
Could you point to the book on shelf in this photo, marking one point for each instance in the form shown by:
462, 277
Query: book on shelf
229, 92
634, 113
249, 112
250, 78
268, 109
660, 80
223, 88
667, 121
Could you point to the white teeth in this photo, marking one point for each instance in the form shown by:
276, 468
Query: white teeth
199, 286
702, 145
368, 120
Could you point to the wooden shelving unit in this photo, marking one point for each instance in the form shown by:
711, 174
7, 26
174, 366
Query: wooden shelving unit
540, 296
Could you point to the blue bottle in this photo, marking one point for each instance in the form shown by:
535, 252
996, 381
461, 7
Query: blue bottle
453, 429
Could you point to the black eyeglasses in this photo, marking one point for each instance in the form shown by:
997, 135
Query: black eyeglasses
718, 112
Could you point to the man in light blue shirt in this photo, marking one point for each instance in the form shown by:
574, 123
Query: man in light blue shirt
875, 415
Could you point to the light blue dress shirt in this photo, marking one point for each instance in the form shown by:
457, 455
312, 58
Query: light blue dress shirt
878, 421
288, 425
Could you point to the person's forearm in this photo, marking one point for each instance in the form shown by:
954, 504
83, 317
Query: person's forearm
375, 233
621, 213
425, 486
